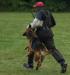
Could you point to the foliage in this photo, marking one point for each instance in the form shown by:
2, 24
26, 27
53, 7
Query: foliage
23, 5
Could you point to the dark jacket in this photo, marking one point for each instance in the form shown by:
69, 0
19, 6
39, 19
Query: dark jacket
47, 18
48, 22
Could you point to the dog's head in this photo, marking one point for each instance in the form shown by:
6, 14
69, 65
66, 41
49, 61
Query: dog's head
29, 33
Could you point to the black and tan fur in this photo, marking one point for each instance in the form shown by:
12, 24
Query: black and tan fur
39, 54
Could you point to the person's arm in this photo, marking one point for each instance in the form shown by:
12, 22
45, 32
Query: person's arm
36, 23
38, 20
52, 20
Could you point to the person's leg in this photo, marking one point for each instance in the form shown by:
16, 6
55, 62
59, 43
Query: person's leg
30, 58
49, 43
59, 58
29, 63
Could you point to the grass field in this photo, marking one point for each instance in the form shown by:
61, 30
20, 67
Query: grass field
12, 44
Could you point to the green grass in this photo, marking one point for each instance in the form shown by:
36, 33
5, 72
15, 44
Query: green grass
12, 44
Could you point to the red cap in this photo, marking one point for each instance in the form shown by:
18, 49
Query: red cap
39, 4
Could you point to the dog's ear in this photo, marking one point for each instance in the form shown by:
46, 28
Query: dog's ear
29, 25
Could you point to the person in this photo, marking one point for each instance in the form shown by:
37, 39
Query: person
43, 23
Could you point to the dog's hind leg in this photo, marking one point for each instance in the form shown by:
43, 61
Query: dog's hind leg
38, 59
38, 64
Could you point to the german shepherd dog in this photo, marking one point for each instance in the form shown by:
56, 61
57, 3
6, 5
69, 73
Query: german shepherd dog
40, 51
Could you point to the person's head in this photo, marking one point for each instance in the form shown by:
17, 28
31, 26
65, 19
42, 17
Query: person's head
38, 5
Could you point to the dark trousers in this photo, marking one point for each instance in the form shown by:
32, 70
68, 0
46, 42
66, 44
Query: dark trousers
30, 59
49, 43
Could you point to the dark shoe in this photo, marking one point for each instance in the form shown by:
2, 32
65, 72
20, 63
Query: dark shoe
64, 68
28, 66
